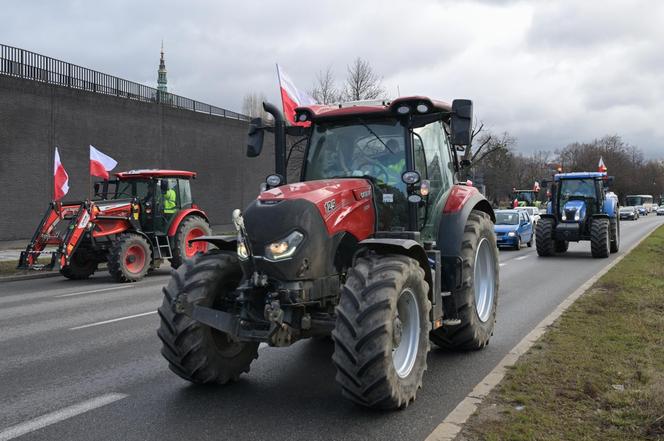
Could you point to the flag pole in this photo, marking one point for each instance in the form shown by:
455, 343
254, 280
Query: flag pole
89, 176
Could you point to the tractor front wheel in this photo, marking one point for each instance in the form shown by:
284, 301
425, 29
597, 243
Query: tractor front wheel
615, 234
190, 228
194, 351
544, 237
600, 241
81, 266
129, 258
381, 334
477, 298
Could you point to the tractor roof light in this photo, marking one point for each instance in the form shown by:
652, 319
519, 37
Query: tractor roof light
422, 108
403, 109
302, 117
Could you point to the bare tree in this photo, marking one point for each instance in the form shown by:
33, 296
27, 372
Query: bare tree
252, 105
362, 82
325, 90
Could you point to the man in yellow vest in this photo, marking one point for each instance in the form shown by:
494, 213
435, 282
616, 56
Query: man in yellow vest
170, 201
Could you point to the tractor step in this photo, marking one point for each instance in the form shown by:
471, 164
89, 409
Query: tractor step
163, 247
451, 322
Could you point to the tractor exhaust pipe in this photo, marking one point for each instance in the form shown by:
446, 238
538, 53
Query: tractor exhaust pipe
279, 139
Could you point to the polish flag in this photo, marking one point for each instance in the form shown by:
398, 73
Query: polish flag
292, 97
601, 167
60, 178
101, 164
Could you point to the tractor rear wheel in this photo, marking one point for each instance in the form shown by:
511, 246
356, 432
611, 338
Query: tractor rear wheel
544, 237
190, 228
194, 351
477, 298
81, 266
615, 234
381, 334
129, 258
600, 242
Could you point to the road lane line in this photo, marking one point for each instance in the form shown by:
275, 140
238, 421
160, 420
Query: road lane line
94, 291
522, 257
450, 427
59, 415
502, 264
105, 322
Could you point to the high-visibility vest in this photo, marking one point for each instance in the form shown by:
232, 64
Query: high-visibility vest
169, 201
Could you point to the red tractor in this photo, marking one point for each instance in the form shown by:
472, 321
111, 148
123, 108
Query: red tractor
134, 223
380, 245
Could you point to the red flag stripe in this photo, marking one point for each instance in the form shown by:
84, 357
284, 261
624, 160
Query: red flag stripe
98, 169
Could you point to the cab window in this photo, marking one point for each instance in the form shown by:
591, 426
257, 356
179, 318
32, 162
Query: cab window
436, 150
185, 193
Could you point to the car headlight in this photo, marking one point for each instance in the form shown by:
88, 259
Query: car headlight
242, 251
511, 234
284, 248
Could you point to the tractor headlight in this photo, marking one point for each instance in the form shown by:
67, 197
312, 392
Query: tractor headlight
284, 248
242, 251
577, 215
564, 217
511, 234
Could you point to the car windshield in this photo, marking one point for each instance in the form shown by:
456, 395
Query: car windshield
627, 209
357, 148
507, 218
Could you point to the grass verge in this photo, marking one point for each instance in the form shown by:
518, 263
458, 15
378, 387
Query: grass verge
598, 374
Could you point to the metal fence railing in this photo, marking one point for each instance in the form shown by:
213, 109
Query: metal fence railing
20, 63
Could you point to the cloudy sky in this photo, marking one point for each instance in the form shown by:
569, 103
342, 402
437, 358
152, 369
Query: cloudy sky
549, 72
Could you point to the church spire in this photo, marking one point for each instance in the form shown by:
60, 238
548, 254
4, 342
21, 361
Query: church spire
161, 78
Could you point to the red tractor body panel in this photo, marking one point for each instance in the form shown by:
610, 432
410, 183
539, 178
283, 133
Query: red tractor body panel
458, 198
173, 228
344, 204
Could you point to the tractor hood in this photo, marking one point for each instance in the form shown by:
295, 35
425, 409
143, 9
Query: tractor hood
574, 210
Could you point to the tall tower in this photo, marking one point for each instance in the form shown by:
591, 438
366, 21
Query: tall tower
161, 79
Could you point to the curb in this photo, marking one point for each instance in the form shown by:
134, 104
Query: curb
454, 421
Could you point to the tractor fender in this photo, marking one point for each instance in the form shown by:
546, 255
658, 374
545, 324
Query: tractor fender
600, 215
173, 228
408, 247
461, 201
224, 243
610, 206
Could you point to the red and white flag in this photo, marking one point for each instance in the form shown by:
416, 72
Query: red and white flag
101, 164
60, 178
292, 97
601, 167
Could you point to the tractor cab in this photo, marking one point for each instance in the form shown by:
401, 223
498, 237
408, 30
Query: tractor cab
151, 189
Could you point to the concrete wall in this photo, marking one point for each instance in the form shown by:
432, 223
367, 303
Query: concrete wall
35, 117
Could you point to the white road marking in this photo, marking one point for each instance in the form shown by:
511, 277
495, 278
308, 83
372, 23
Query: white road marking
58, 415
522, 257
112, 320
502, 264
262, 346
94, 291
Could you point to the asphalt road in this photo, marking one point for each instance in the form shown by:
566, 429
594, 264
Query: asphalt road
80, 361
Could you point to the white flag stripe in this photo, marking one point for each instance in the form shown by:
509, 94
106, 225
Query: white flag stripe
108, 162
302, 98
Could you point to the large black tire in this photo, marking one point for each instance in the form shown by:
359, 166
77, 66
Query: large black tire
180, 247
374, 323
560, 246
544, 237
517, 247
129, 258
194, 351
81, 266
615, 234
600, 242
474, 331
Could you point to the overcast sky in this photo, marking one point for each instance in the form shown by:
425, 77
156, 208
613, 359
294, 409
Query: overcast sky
549, 72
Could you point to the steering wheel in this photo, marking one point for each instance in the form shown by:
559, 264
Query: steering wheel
375, 169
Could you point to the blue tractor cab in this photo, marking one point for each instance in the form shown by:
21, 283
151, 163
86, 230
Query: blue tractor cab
580, 208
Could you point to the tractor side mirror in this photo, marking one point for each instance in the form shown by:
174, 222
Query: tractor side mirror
610, 179
96, 186
462, 122
255, 137
544, 183
465, 163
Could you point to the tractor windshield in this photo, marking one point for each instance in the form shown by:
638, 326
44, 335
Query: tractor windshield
577, 188
356, 148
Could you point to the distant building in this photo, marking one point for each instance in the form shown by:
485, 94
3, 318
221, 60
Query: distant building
161, 78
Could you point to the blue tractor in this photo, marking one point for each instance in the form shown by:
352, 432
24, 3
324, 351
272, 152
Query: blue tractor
579, 208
